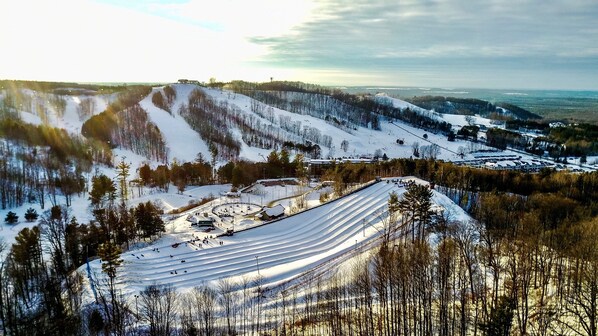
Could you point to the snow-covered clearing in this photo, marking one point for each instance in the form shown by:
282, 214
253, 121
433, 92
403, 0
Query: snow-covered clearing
186, 256
182, 141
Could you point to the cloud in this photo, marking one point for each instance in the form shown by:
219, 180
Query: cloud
406, 42
473, 35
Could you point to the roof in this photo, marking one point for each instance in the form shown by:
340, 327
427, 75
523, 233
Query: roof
274, 211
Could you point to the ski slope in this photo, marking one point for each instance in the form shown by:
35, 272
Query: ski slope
282, 250
182, 141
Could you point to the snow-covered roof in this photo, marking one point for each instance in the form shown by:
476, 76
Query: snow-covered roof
274, 211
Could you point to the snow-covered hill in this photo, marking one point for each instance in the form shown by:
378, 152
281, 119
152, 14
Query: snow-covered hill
63, 111
278, 252
182, 142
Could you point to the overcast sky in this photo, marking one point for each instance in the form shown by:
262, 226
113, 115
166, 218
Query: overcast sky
430, 43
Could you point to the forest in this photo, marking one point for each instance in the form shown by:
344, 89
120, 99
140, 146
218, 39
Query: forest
471, 106
526, 264
341, 109
125, 124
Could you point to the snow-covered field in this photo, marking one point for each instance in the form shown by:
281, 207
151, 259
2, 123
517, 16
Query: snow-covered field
282, 250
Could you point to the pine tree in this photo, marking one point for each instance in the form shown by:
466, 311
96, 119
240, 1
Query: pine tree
31, 215
11, 218
122, 171
110, 255
415, 206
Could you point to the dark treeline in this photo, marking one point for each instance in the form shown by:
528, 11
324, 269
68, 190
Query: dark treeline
164, 101
63, 88
211, 120
578, 139
350, 109
38, 163
124, 123
471, 106
244, 173
181, 175
582, 188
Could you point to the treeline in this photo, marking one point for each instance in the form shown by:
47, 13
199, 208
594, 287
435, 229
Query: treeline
570, 140
578, 139
519, 112
319, 106
102, 126
63, 88
37, 102
352, 110
164, 101
124, 123
181, 175
582, 188
136, 132
471, 106
278, 164
501, 138
212, 120
39, 163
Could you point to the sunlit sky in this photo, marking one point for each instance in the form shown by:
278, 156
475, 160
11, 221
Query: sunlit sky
431, 43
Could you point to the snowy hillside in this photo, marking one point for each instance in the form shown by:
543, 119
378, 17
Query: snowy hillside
63, 111
183, 143
186, 256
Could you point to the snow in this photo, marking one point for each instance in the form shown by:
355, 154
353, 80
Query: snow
275, 211
187, 256
182, 141
70, 120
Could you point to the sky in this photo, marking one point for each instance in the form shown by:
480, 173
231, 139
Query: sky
524, 44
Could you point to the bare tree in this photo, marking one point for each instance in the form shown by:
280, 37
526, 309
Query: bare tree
158, 308
227, 299
205, 300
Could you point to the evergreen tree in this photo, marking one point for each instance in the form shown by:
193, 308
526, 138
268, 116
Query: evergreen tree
11, 218
415, 206
103, 191
31, 215
122, 172
148, 220
110, 255
501, 318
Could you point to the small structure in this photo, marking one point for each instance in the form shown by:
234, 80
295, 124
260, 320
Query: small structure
272, 213
233, 194
201, 221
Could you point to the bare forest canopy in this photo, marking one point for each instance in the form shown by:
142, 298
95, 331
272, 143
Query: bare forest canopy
334, 105
525, 264
471, 106
124, 123
39, 162
65, 88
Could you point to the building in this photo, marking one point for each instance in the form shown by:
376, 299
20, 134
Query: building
272, 213
201, 221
